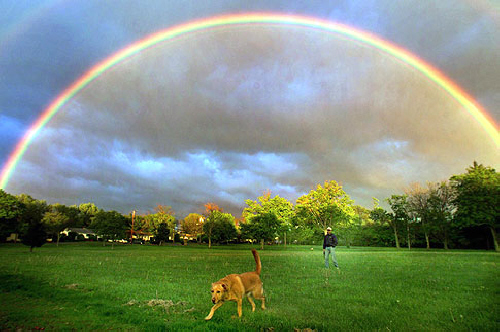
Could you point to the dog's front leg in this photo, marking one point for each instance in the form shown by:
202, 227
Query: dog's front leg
239, 307
215, 307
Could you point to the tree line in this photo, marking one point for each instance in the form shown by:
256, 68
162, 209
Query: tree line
462, 212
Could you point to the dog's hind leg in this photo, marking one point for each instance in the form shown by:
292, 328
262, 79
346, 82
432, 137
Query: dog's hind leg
251, 302
258, 295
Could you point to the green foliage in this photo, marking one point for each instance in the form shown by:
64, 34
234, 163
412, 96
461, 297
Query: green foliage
192, 224
161, 233
110, 225
328, 205
34, 235
461, 214
35, 209
10, 211
84, 214
280, 207
478, 196
478, 199
220, 227
55, 222
261, 227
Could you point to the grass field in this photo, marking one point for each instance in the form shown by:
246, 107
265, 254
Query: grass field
90, 287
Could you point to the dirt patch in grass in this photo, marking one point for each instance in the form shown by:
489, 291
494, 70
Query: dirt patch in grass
168, 306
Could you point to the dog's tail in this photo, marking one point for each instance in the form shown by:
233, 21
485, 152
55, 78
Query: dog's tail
257, 261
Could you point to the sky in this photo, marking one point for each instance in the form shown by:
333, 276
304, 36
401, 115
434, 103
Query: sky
227, 114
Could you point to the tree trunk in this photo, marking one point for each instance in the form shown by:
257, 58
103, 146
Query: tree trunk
494, 235
262, 244
58, 236
396, 236
408, 236
427, 240
284, 238
209, 242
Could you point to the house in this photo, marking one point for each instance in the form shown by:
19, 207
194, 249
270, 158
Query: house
86, 233
14, 237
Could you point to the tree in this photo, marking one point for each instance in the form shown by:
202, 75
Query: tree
165, 215
263, 227
111, 225
219, 226
280, 207
225, 229
441, 210
55, 222
11, 210
478, 199
328, 205
418, 204
400, 216
209, 224
161, 233
34, 235
87, 212
381, 216
192, 224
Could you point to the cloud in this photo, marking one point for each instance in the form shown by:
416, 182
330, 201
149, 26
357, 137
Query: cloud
225, 115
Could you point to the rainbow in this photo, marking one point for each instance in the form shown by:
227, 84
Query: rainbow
472, 107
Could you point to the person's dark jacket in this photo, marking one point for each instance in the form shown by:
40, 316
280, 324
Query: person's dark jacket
330, 240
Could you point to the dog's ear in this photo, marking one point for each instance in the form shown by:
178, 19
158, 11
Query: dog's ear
224, 286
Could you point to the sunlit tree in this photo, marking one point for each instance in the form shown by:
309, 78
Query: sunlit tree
478, 199
280, 207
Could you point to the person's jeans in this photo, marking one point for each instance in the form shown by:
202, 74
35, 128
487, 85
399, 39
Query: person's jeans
330, 251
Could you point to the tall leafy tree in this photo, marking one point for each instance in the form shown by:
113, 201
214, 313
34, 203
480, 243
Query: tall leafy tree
261, 227
418, 204
55, 222
400, 216
478, 199
441, 210
32, 230
164, 214
280, 207
225, 229
328, 205
111, 225
87, 212
11, 209
381, 216
219, 227
162, 232
192, 224
209, 223
33, 234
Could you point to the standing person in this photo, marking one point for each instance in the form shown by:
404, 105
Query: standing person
329, 243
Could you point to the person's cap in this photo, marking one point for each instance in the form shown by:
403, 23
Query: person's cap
329, 229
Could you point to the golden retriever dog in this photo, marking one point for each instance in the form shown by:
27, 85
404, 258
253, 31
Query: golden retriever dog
234, 287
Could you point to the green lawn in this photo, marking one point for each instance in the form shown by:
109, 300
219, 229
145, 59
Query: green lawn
90, 287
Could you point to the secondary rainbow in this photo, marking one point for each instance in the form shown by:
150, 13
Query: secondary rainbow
474, 109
